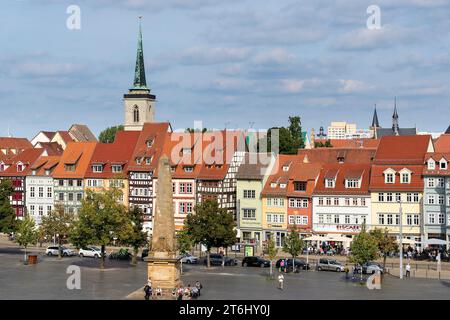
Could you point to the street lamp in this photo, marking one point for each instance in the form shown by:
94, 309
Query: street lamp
401, 239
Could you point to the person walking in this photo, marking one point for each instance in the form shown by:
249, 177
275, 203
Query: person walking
347, 270
199, 287
408, 270
148, 292
281, 266
281, 281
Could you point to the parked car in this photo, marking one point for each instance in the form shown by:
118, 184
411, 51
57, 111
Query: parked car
215, 259
53, 251
122, 254
370, 268
330, 265
189, 259
144, 254
299, 264
92, 252
255, 262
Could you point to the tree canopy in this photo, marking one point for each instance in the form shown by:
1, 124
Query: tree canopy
364, 247
26, 232
293, 244
7, 214
136, 238
290, 138
109, 134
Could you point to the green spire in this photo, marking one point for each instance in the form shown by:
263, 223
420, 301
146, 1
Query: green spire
139, 73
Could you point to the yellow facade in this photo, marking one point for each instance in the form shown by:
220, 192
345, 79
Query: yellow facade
274, 206
411, 226
123, 185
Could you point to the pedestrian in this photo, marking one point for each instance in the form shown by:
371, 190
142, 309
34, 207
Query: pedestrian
158, 291
149, 282
187, 291
281, 266
148, 292
281, 282
180, 293
199, 287
347, 270
408, 270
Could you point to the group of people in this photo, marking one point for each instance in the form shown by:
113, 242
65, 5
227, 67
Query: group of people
179, 293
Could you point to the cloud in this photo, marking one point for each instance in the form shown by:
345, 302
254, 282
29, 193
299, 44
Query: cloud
215, 55
387, 36
352, 86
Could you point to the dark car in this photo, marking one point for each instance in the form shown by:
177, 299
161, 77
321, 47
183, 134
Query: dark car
144, 254
215, 259
255, 262
299, 264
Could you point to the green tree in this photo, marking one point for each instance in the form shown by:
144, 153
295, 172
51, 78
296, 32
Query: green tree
293, 244
271, 252
58, 223
184, 242
295, 128
7, 215
328, 144
211, 226
109, 134
191, 130
364, 248
136, 238
101, 220
386, 243
26, 233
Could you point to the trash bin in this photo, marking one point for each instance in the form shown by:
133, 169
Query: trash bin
32, 259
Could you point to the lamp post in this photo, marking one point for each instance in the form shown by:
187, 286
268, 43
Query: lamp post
401, 239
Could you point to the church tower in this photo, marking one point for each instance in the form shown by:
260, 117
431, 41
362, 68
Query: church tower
395, 126
375, 123
139, 103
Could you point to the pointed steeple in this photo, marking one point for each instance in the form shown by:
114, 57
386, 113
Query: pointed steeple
139, 75
375, 123
395, 126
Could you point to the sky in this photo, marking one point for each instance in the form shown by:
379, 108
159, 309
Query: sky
234, 63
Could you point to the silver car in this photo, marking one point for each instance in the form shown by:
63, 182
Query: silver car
330, 265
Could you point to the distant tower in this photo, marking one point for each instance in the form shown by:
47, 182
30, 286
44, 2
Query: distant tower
375, 123
313, 138
395, 126
322, 134
139, 103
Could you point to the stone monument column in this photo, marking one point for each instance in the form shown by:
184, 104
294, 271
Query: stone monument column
163, 265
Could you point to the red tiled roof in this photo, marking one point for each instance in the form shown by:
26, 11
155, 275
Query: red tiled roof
437, 157
65, 136
117, 153
27, 158
298, 172
45, 163
402, 149
377, 178
341, 172
334, 155
442, 144
79, 153
52, 148
7, 144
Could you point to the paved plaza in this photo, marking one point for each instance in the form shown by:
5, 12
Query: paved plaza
47, 280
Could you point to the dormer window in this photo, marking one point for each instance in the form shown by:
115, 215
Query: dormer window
98, 168
389, 176
330, 183
2, 167
405, 176
20, 167
443, 164
116, 168
47, 172
188, 169
273, 185
69, 167
285, 168
352, 183
299, 185
431, 164
173, 168
33, 172
138, 160
149, 143
282, 185
148, 161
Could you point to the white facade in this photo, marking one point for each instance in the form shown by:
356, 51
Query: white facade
340, 214
39, 197
340, 130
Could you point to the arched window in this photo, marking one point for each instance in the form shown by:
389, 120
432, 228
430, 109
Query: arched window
136, 114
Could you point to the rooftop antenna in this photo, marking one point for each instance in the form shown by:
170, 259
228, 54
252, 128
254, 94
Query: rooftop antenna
9, 132
251, 124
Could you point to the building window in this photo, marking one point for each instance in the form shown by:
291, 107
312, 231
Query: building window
381, 197
188, 169
405, 178
363, 202
440, 183
268, 218
431, 218
329, 183
441, 218
61, 183
329, 218
328, 200
389, 197
389, 178
347, 201
32, 210
41, 192
440, 199
79, 183
443, 164
70, 196
79, 197
347, 219
70, 167
398, 197
249, 214
320, 218
97, 168
49, 192
352, 183
390, 219
249, 194
116, 168
41, 210
136, 114
416, 219
336, 201
431, 164
409, 220
61, 196
431, 199
49, 209
320, 201
355, 201
32, 192
431, 183
299, 186
336, 218
381, 220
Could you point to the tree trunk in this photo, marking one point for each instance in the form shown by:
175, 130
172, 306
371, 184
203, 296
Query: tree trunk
25, 256
59, 248
270, 273
134, 258
208, 262
102, 258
